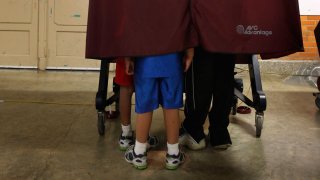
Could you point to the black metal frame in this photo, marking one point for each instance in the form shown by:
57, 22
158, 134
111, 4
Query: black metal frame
259, 102
101, 96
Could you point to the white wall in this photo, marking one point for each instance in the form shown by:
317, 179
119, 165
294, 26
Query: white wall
309, 7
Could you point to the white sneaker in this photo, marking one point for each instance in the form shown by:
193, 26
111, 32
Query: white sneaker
186, 140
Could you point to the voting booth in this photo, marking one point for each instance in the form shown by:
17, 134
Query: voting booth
247, 28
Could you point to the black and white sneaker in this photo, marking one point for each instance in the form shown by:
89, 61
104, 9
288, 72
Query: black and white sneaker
139, 161
152, 142
125, 142
173, 161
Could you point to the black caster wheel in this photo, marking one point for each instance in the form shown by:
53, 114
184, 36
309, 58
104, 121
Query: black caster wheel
259, 124
101, 123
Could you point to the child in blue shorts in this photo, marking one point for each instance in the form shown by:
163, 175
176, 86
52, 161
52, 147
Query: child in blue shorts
158, 81
126, 84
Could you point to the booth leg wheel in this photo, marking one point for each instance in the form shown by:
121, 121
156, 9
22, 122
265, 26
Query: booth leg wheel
317, 101
101, 122
259, 123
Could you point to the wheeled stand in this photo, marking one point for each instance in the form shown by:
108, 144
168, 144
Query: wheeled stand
258, 102
101, 97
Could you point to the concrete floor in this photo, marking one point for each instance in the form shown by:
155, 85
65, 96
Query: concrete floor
48, 131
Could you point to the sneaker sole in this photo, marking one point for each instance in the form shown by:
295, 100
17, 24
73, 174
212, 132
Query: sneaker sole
222, 147
123, 148
171, 167
140, 167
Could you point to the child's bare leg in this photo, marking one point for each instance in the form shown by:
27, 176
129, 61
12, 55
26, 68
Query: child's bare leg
125, 104
126, 138
172, 123
143, 124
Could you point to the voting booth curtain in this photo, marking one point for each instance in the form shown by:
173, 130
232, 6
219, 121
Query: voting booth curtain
121, 28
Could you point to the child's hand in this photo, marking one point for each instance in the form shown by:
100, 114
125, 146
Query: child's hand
187, 58
129, 66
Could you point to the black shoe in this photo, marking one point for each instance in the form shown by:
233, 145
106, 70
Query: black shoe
152, 141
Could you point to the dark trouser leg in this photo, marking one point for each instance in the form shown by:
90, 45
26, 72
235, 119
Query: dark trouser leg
199, 87
222, 99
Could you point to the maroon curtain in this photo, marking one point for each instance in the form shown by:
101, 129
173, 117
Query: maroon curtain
149, 27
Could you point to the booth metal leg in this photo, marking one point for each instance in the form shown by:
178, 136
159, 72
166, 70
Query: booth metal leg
101, 98
259, 102
259, 98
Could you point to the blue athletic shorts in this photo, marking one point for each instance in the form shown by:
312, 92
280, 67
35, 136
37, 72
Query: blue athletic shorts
166, 91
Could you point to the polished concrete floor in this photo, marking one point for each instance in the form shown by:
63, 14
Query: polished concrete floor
48, 131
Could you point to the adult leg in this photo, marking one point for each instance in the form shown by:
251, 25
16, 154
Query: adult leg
222, 98
198, 94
